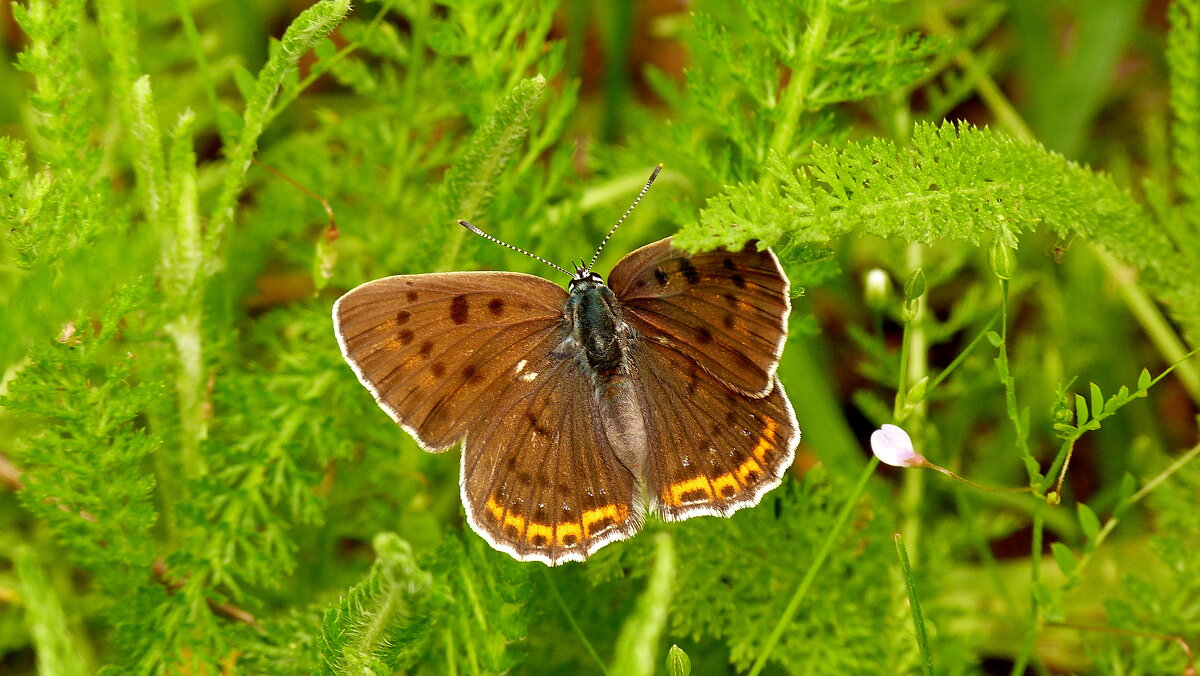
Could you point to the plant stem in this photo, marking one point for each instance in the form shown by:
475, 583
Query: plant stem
1145, 490
917, 364
1153, 322
795, 95
789, 612
587, 645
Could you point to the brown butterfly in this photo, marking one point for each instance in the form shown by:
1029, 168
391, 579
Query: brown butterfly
581, 410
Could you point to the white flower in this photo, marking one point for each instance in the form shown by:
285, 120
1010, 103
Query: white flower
893, 446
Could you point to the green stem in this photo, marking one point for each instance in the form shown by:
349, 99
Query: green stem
1156, 326
210, 88
916, 349
937, 380
1007, 116
795, 96
587, 645
1143, 308
1035, 608
1145, 490
789, 612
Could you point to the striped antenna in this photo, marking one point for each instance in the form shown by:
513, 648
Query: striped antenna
649, 182
486, 236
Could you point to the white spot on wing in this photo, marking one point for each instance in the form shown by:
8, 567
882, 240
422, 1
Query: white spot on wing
521, 365
530, 377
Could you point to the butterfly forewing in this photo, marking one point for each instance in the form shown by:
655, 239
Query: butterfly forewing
725, 310
433, 349
539, 478
713, 450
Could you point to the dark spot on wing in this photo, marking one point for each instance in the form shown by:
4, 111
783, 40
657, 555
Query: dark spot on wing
660, 276
458, 309
523, 478
426, 349
569, 540
411, 296
438, 369
738, 280
727, 491
469, 372
537, 427
405, 337
690, 273
728, 263
703, 335
731, 299
727, 320
402, 316
641, 284
496, 306
539, 540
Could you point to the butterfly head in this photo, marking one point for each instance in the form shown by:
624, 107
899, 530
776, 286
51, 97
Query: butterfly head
584, 280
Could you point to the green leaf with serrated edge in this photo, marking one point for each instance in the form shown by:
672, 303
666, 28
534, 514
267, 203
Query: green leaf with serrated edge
1144, 381
1097, 400
1063, 557
1088, 521
1081, 411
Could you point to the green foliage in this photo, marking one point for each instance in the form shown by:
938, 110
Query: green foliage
192, 481
368, 631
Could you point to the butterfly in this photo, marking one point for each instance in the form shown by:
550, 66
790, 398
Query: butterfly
582, 410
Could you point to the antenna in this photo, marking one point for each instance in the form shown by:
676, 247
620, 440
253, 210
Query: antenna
649, 182
486, 236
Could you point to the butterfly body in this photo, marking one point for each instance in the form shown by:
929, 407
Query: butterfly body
597, 326
581, 410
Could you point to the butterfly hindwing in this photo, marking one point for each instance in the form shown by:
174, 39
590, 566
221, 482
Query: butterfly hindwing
433, 348
713, 450
539, 478
725, 310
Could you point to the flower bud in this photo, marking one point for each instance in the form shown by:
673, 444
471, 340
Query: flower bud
914, 286
877, 289
1002, 259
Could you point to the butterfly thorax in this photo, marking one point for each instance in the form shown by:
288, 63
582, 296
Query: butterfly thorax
597, 325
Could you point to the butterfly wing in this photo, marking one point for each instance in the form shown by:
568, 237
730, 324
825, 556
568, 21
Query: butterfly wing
540, 479
481, 355
724, 310
712, 449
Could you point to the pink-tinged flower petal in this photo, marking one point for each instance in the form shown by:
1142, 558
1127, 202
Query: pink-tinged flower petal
893, 446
